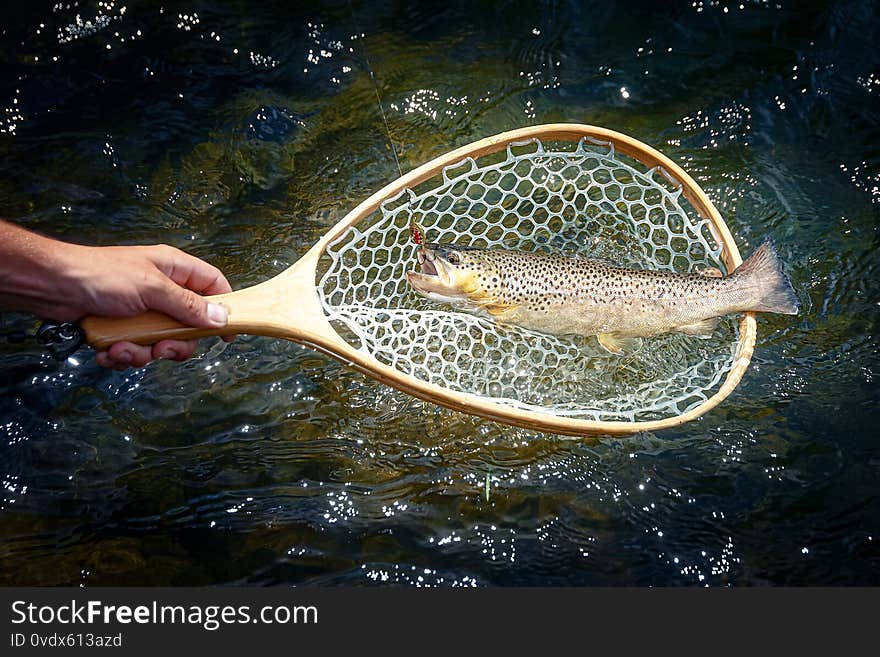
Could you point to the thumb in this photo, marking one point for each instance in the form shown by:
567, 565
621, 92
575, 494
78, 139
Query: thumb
187, 307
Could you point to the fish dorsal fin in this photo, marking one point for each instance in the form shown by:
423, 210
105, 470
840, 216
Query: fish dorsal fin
616, 343
703, 328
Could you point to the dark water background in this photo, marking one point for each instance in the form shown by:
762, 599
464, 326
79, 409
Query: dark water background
241, 131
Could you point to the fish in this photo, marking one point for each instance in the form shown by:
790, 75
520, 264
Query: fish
559, 294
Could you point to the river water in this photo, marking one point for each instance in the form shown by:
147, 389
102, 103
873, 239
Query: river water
241, 132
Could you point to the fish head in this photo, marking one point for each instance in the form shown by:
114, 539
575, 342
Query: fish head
452, 274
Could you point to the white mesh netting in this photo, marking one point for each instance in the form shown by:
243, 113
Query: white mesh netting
582, 199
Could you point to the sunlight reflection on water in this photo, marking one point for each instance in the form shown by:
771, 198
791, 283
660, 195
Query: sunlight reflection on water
242, 138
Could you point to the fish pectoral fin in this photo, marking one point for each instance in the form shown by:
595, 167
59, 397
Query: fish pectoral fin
489, 304
496, 309
703, 328
711, 272
616, 343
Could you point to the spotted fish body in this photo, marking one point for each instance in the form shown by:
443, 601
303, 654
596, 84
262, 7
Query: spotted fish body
562, 295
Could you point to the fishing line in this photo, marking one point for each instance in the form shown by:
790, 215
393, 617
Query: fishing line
376, 90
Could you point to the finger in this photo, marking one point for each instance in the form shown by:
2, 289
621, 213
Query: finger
129, 354
104, 360
174, 349
189, 271
184, 305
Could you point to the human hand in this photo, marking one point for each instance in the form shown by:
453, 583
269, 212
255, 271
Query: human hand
62, 281
125, 281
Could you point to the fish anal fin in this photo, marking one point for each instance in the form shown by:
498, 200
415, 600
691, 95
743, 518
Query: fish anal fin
703, 328
616, 343
711, 272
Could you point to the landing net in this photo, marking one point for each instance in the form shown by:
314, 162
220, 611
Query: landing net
584, 200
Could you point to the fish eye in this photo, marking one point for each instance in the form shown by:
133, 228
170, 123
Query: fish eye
453, 258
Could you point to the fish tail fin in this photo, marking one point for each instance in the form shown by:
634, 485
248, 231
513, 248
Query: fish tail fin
763, 271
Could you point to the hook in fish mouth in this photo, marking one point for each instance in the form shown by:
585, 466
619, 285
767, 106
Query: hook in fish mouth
439, 261
426, 262
428, 277
435, 279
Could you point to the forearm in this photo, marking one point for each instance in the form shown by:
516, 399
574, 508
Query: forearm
36, 272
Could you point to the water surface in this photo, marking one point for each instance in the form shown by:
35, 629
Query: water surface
241, 133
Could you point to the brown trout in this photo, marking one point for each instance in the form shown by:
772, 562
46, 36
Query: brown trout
563, 295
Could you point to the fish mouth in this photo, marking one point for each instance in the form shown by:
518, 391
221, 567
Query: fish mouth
428, 278
426, 263
433, 279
